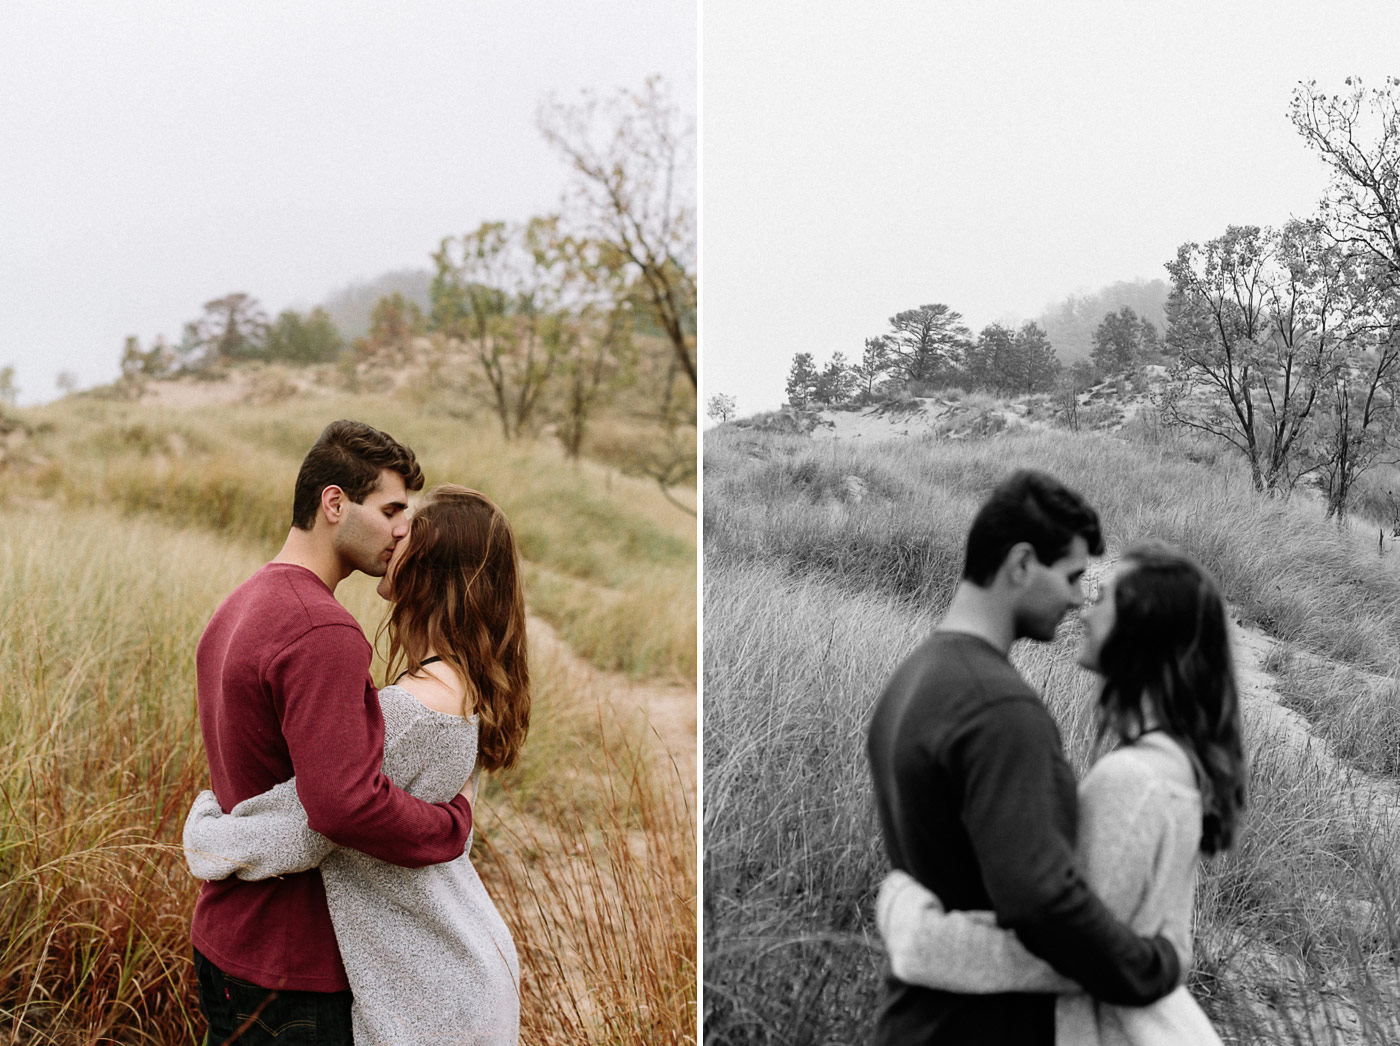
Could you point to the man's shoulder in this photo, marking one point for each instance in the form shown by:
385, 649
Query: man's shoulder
953, 685
964, 671
284, 602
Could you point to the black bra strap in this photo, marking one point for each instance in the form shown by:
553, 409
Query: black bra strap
425, 661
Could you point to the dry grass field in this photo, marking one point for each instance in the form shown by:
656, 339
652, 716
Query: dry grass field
817, 586
123, 525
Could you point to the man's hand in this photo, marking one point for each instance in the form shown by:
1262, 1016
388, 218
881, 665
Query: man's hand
468, 790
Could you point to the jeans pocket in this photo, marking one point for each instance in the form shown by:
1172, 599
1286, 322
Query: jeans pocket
289, 1018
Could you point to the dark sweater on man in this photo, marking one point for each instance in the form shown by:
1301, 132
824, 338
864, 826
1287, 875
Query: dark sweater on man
284, 690
977, 802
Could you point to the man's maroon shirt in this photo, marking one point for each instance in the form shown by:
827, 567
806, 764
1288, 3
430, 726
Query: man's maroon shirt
285, 689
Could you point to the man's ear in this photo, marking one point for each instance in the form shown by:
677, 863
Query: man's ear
1017, 564
333, 501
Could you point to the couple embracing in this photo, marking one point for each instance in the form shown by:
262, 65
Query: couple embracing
1019, 910
340, 902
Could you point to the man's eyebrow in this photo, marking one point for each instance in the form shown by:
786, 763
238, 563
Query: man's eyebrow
397, 506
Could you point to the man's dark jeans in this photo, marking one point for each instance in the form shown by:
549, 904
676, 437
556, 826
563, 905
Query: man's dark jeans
273, 1018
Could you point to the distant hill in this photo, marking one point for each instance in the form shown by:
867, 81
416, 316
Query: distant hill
352, 305
1070, 324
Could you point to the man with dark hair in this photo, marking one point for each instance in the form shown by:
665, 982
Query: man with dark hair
285, 690
975, 798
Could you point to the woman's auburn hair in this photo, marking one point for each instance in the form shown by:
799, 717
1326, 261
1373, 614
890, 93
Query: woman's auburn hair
1170, 644
457, 592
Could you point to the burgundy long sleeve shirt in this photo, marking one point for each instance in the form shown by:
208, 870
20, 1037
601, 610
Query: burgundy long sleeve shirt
284, 690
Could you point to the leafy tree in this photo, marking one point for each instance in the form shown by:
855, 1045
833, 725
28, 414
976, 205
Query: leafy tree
1011, 362
1081, 375
500, 291
836, 383
802, 380
926, 344
1257, 320
874, 362
155, 362
190, 350
597, 352
141, 365
1038, 365
233, 327
1070, 324
1357, 135
990, 360
9, 391
393, 324
1123, 342
298, 339
67, 382
634, 159
671, 461
721, 407
351, 308
1359, 426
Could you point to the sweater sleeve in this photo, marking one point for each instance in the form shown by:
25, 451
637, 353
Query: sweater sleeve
955, 951
1009, 759
334, 730
263, 836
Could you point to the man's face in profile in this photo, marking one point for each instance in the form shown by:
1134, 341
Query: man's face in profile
1050, 592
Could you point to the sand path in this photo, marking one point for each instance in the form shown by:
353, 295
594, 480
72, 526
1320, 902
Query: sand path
668, 710
1289, 733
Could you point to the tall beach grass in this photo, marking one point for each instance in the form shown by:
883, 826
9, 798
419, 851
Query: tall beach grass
813, 595
100, 757
592, 537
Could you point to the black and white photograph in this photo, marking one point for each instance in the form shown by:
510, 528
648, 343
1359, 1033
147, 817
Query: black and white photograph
1051, 523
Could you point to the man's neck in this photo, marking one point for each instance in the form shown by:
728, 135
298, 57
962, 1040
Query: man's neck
980, 612
302, 549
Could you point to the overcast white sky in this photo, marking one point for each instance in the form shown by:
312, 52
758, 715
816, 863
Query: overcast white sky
860, 159
155, 155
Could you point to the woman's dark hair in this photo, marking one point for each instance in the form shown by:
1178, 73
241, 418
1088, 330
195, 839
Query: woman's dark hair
1170, 645
1033, 507
349, 455
457, 591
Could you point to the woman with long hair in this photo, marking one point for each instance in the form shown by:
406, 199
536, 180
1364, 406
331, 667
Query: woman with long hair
1172, 787
427, 955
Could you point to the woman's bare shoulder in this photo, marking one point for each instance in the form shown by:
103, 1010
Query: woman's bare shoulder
437, 687
1156, 758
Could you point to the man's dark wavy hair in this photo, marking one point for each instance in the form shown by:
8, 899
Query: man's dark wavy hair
1033, 507
349, 455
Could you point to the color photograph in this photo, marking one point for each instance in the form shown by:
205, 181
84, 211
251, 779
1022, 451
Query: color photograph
348, 585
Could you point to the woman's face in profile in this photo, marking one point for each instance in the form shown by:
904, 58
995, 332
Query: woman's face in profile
385, 588
1097, 620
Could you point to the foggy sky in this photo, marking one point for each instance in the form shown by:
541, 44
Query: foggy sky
864, 159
